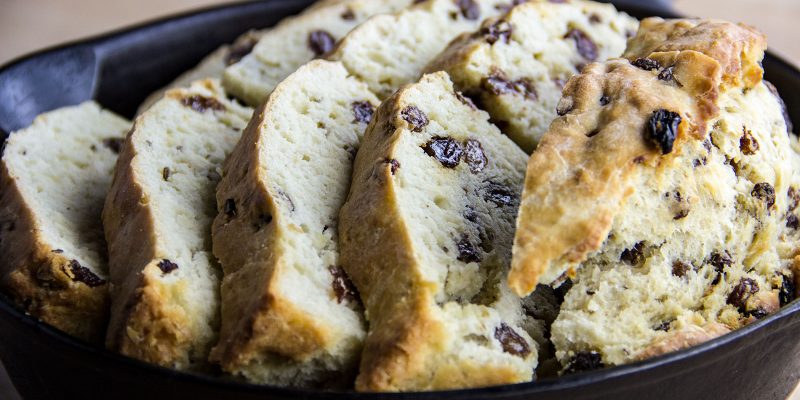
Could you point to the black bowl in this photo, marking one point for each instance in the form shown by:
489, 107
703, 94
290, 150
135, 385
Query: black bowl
760, 361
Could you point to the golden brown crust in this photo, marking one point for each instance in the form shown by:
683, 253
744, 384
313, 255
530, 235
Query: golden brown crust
39, 279
681, 339
581, 173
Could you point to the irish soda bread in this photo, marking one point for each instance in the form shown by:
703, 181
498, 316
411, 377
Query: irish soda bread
157, 219
55, 176
426, 237
515, 66
295, 41
290, 315
670, 207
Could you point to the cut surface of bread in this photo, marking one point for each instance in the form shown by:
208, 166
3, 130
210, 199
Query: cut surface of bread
295, 41
157, 220
211, 67
426, 237
670, 210
290, 315
390, 50
55, 175
515, 66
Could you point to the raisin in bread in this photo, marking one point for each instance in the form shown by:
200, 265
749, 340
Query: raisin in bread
669, 208
212, 66
494, 67
290, 316
55, 176
392, 49
426, 237
295, 41
157, 219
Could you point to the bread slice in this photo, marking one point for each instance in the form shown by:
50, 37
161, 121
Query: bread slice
290, 316
157, 220
211, 67
515, 66
390, 50
672, 208
426, 237
55, 175
295, 41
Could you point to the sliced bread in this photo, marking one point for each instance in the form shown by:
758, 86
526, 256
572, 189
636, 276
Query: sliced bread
290, 315
515, 66
157, 219
55, 175
426, 237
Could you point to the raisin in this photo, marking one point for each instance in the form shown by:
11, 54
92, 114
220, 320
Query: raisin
667, 74
586, 47
605, 100
201, 103
229, 208
114, 144
680, 268
165, 173
634, 255
794, 198
741, 293
748, 144
788, 291
785, 110
167, 266
758, 313
663, 129
511, 341
792, 222
699, 161
465, 100
470, 214
474, 156
681, 215
497, 32
561, 291
469, 9
445, 150
394, 165
362, 110
415, 117
498, 194
466, 251
720, 261
320, 42
584, 361
647, 64
764, 192
343, 287
348, 14
239, 51
664, 326
79, 273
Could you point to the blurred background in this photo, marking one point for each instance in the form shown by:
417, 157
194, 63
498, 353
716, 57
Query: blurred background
28, 25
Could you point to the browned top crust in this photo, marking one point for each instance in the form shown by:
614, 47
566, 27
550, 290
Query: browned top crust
581, 173
737, 47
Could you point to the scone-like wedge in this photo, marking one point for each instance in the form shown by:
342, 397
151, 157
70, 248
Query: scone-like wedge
211, 67
426, 236
157, 219
392, 49
515, 66
295, 41
55, 175
581, 173
290, 315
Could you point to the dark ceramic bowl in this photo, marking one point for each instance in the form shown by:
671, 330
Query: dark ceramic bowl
760, 361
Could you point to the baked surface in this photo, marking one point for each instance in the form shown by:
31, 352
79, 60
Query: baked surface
426, 237
55, 175
494, 66
290, 315
157, 220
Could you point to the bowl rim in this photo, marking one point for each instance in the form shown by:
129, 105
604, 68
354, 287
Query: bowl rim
8, 307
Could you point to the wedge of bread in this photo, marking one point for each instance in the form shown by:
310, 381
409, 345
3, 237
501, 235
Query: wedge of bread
426, 237
55, 175
157, 220
290, 315
515, 66
296, 41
